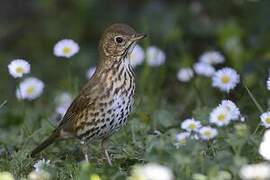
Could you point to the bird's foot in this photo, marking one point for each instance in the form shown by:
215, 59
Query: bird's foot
85, 151
108, 157
86, 158
106, 152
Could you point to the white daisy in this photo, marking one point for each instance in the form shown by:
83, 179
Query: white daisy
266, 136
30, 88
242, 118
204, 69
190, 125
155, 56
181, 139
61, 110
225, 79
4, 175
185, 74
264, 149
220, 116
255, 171
232, 108
268, 84
39, 175
63, 98
212, 57
63, 102
90, 72
199, 176
94, 177
151, 171
223, 175
265, 119
207, 132
18, 67
66, 48
41, 164
137, 56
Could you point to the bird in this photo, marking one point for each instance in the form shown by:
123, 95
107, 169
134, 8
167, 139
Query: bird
104, 103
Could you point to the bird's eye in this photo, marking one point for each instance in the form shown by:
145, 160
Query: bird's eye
119, 39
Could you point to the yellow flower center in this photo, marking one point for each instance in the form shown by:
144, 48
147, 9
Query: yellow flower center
30, 89
267, 120
19, 70
221, 117
6, 175
136, 177
94, 177
192, 126
183, 141
66, 50
207, 133
225, 79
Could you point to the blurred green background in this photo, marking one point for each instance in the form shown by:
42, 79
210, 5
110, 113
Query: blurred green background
183, 29
240, 29
29, 29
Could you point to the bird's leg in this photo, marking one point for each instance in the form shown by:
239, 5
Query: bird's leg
85, 150
106, 152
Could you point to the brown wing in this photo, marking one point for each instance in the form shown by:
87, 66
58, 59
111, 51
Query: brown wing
84, 102
74, 112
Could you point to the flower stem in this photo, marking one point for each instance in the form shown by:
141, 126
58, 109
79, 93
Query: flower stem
257, 105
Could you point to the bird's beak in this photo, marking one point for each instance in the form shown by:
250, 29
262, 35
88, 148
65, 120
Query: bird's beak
138, 37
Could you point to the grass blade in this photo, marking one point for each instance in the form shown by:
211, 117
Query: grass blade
3, 104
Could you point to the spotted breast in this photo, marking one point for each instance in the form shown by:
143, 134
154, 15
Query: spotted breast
113, 104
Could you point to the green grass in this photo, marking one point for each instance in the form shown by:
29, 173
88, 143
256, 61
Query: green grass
239, 30
134, 144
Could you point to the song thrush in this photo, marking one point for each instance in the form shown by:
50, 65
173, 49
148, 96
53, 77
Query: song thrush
103, 105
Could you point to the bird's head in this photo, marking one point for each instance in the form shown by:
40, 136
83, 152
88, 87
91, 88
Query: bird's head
118, 41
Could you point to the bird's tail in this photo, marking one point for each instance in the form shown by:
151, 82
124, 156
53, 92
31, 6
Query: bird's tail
55, 134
